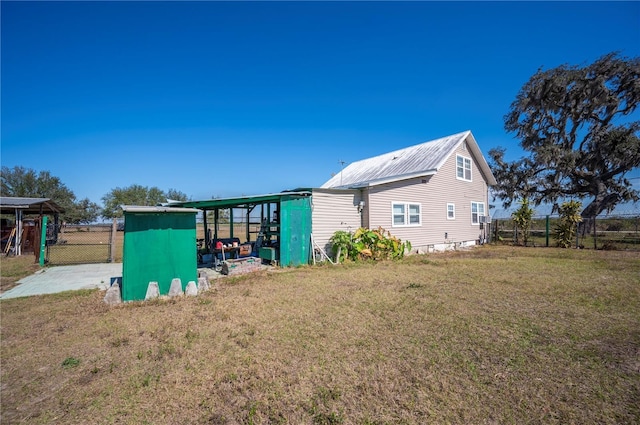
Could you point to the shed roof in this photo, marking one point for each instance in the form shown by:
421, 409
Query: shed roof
156, 209
241, 202
8, 205
414, 161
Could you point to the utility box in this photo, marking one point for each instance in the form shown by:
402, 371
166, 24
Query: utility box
268, 254
159, 246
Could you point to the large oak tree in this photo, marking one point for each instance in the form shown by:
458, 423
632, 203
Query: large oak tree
575, 123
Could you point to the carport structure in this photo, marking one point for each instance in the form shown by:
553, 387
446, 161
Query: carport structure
285, 223
21, 207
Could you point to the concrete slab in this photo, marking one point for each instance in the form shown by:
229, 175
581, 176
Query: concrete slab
51, 280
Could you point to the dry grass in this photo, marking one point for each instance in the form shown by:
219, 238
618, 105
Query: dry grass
12, 269
494, 335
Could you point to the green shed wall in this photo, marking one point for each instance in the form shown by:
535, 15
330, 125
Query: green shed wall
158, 247
295, 230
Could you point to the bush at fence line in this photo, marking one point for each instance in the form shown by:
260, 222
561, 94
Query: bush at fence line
522, 218
565, 230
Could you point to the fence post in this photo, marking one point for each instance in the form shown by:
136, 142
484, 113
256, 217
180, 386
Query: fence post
547, 232
112, 242
595, 231
43, 241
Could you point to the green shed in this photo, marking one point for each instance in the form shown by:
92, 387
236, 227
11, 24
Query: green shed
159, 246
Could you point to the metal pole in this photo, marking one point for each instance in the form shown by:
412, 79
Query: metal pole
547, 232
43, 240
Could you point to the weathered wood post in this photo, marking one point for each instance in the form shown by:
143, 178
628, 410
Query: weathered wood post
112, 241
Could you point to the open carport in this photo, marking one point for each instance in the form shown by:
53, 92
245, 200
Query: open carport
284, 219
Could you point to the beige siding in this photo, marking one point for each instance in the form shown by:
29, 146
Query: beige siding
433, 193
334, 210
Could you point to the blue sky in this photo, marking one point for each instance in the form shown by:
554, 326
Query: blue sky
227, 99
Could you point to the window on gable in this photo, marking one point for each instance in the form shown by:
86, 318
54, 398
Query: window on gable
477, 210
463, 168
406, 214
451, 211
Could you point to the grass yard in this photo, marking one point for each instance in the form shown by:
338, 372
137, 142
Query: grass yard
495, 335
12, 269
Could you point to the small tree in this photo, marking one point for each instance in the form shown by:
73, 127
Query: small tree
566, 228
522, 217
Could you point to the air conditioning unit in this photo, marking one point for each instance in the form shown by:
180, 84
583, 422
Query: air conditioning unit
485, 219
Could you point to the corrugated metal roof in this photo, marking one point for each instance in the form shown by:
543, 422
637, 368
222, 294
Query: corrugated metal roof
29, 205
241, 202
415, 161
156, 209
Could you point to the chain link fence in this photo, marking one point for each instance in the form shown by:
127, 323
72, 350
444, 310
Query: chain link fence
614, 232
82, 244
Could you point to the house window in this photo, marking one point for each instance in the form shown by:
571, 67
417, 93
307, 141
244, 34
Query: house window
477, 210
406, 214
451, 211
463, 168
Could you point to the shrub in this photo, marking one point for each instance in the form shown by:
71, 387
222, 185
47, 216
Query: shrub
367, 244
522, 218
566, 228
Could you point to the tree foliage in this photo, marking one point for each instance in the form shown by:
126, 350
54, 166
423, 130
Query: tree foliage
136, 195
574, 123
25, 182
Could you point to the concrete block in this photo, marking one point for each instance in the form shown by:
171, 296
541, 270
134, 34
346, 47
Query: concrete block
153, 291
113, 296
192, 289
176, 288
241, 266
203, 284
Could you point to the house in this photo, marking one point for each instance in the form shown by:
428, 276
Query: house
434, 195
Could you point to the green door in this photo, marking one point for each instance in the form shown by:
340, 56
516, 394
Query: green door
295, 230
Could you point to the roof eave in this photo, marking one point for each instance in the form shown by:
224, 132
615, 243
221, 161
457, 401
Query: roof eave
378, 182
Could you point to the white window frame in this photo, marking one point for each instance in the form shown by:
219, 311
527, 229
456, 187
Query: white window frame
466, 161
406, 214
451, 208
475, 220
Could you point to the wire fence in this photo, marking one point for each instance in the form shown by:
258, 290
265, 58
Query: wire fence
614, 232
81, 244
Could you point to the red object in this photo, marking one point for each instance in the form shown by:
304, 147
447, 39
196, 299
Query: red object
218, 245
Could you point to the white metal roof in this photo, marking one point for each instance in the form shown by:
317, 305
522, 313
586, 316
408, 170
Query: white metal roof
415, 161
156, 209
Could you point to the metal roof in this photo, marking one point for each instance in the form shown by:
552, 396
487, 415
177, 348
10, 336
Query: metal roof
241, 202
148, 209
29, 205
415, 161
